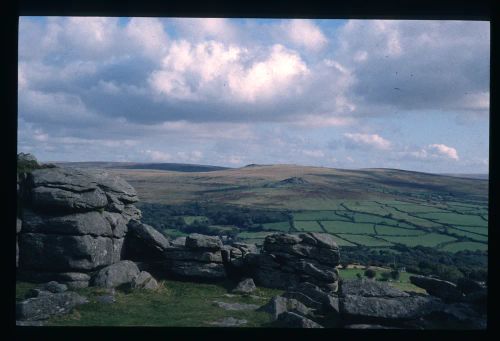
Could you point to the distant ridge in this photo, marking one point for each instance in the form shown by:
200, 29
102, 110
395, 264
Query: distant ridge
176, 167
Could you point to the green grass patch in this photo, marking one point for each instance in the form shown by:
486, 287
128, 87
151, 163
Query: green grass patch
455, 219
389, 230
307, 226
173, 233
22, 289
342, 242
254, 235
479, 238
364, 240
403, 283
177, 304
316, 215
189, 219
477, 229
461, 246
368, 218
347, 227
282, 226
429, 239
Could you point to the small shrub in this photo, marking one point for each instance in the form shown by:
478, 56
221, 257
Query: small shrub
370, 273
395, 275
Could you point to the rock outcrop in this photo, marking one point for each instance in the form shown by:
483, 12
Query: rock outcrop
46, 301
73, 223
199, 258
445, 290
288, 260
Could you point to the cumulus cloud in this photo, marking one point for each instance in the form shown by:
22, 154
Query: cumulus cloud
304, 33
400, 65
236, 91
368, 140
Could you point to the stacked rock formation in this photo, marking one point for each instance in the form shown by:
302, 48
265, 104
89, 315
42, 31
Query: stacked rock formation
73, 223
200, 257
288, 260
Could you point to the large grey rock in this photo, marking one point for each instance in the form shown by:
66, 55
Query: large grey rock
45, 306
385, 308
369, 288
90, 223
280, 304
245, 247
19, 224
200, 241
144, 243
185, 254
76, 190
329, 303
67, 253
324, 249
179, 241
114, 275
144, 281
54, 287
294, 320
193, 269
58, 200
245, 286
445, 290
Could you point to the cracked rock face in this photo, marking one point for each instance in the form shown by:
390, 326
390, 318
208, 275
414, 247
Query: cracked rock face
288, 260
73, 221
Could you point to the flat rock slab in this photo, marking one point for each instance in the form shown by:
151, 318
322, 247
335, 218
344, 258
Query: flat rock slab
246, 286
229, 322
294, 320
235, 306
106, 299
47, 305
397, 308
369, 288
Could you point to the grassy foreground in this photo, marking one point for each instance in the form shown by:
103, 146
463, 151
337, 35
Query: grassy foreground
175, 304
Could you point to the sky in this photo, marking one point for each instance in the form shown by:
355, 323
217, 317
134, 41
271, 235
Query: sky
230, 92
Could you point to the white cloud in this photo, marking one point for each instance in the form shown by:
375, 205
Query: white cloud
149, 35
313, 153
369, 140
319, 121
304, 33
444, 150
269, 77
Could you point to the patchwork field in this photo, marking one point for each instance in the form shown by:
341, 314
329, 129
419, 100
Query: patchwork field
372, 207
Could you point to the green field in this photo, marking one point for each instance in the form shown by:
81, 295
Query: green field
429, 239
307, 226
282, 226
335, 227
189, 219
474, 236
316, 215
460, 246
396, 231
455, 219
364, 240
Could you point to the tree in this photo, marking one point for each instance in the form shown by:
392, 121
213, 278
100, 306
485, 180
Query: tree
385, 275
358, 275
395, 274
370, 273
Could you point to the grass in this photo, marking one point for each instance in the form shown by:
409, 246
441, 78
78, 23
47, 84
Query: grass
429, 239
316, 215
176, 304
308, 226
461, 246
189, 219
282, 226
389, 230
403, 283
455, 219
479, 238
173, 233
347, 227
364, 240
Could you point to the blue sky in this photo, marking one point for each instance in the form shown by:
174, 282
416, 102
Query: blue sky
335, 93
